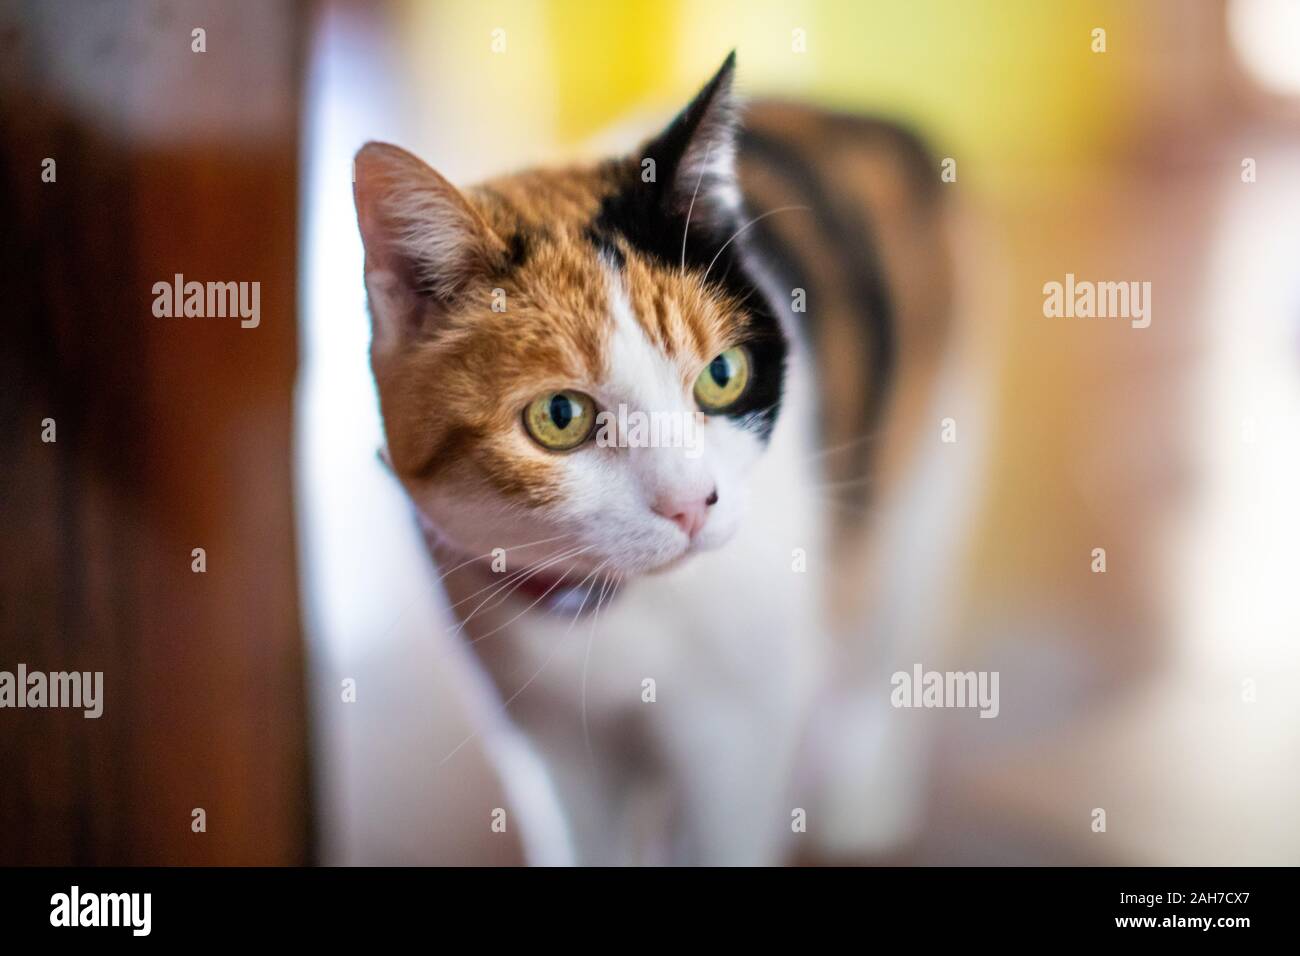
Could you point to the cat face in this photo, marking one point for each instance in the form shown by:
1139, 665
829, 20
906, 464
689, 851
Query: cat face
565, 366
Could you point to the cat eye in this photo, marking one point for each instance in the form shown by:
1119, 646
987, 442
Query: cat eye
560, 421
723, 380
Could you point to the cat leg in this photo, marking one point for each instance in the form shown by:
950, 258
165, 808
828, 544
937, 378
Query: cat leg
732, 777
595, 792
870, 764
544, 833
872, 758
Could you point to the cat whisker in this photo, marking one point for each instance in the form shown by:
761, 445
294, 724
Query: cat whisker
496, 588
846, 446
517, 547
537, 673
513, 575
522, 576
690, 209
754, 221
407, 605
498, 598
586, 661
539, 600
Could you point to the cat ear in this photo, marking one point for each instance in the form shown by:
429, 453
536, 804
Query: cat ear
423, 240
696, 154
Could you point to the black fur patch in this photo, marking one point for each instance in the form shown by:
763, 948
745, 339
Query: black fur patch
634, 213
650, 218
520, 243
605, 246
859, 265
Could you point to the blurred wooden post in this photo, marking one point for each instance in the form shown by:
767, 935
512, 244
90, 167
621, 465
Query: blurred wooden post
172, 433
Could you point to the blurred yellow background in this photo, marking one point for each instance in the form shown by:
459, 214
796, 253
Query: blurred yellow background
1006, 85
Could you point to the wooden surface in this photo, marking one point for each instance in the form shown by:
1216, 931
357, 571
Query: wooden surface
172, 434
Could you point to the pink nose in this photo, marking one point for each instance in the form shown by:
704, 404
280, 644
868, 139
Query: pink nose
689, 514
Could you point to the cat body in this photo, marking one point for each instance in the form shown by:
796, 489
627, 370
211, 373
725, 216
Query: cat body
669, 711
663, 627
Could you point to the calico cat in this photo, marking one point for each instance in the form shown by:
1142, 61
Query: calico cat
660, 619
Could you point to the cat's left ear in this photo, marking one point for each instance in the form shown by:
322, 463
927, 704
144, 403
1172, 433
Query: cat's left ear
696, 155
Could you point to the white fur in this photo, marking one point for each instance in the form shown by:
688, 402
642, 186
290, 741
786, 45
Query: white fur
730, 636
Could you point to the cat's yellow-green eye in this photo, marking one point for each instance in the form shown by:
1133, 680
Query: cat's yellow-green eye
723, 380
559, 421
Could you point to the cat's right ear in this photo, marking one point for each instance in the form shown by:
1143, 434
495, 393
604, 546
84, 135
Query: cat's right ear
424, 242
696, 155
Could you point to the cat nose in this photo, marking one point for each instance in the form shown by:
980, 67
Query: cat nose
689, 514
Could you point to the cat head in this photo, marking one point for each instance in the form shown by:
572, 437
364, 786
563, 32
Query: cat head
576, 358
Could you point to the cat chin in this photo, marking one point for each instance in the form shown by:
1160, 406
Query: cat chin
671, 564
697, 547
